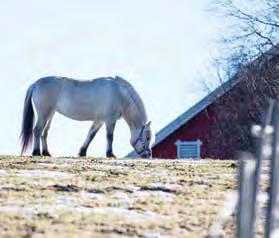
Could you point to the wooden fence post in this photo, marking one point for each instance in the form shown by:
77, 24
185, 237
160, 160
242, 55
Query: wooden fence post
272, 218
245, 212
263, 135
249, 175
249, 178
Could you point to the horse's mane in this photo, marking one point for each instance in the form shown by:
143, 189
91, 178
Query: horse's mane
133, 94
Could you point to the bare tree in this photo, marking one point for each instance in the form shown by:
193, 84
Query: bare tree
250, 29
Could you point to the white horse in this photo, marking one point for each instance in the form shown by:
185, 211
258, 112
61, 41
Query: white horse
102, 100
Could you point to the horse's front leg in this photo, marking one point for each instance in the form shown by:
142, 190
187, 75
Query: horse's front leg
110, 129
91, 134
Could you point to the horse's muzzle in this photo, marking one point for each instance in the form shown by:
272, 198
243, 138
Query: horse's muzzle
147, 154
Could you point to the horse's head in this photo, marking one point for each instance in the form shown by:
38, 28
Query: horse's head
141, 139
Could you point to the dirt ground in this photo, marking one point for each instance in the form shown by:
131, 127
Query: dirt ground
74, 197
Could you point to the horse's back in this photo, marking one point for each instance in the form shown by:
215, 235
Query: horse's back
95, 99
96, 91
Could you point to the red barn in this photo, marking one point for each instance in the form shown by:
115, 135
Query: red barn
219, 125
192, 125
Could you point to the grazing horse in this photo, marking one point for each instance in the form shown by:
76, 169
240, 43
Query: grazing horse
102, 101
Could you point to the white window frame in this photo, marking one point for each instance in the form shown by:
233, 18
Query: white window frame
180, 144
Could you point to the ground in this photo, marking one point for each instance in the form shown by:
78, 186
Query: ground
70, 197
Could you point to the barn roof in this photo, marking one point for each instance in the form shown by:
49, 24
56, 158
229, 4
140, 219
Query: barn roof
194, 110
202, 104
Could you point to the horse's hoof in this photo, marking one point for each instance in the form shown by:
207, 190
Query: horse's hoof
36, 153
46, 153
82, 152
110, 155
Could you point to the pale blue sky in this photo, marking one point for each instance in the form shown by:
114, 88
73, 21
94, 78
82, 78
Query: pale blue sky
163, 47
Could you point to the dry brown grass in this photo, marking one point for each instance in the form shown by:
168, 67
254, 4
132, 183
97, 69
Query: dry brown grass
70, 197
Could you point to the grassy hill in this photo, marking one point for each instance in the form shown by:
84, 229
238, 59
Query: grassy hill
70, 197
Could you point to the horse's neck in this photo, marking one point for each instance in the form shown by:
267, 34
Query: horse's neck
134, 118
134, 111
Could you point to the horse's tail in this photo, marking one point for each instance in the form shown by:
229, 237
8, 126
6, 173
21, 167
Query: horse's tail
27, 121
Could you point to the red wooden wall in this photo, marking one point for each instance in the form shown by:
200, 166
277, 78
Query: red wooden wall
197, 128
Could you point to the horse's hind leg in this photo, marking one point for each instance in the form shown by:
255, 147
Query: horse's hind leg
38, 130
44, 136
44, 98
91, 134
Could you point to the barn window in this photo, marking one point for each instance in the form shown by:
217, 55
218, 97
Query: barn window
188, 149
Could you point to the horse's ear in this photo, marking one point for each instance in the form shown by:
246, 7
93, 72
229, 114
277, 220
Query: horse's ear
148, 124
